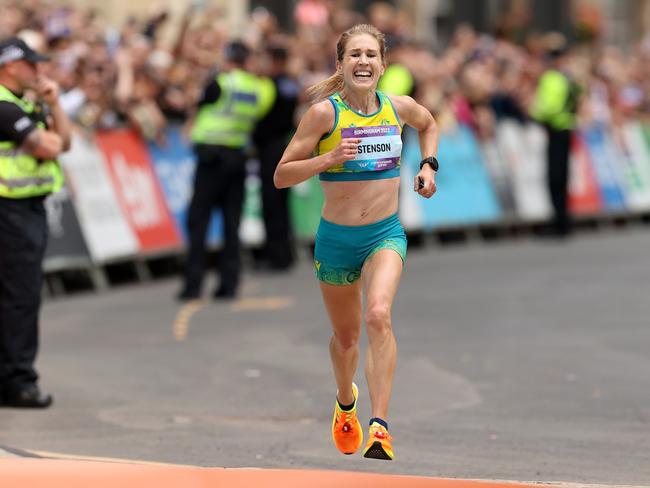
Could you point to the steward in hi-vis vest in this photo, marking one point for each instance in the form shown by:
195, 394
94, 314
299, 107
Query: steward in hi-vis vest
555, 107
397, 80
230, 119
556, 101
32, 135
21, 174
231, 105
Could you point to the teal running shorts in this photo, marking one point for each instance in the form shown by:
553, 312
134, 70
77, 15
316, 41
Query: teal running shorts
341, 250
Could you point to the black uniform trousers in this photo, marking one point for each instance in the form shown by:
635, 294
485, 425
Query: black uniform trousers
275, 207
559, 145
23, 238
218, 182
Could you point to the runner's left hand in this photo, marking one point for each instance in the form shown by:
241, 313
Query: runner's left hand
425, 183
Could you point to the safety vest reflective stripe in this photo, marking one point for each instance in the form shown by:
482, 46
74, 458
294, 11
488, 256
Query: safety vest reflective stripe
22, 182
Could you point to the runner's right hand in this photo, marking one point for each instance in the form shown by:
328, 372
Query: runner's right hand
345, 151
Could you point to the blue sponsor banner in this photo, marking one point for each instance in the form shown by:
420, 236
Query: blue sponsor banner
175, 164
604, 159
465, 192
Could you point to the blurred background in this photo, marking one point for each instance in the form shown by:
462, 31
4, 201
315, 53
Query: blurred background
132, 72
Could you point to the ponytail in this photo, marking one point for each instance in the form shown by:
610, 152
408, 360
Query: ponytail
329, 86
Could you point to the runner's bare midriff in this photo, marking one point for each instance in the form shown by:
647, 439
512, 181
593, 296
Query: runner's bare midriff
360, 202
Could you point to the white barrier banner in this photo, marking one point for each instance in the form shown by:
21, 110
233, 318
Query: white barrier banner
104, 226
523, 149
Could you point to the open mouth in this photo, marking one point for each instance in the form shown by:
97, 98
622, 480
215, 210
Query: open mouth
363, 74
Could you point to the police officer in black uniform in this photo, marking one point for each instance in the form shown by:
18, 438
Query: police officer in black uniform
555, 107
271, 137
32, 135
228, 110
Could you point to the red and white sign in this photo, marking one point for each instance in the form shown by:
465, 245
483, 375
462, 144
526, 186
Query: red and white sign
138, 190
584, 194
103, 223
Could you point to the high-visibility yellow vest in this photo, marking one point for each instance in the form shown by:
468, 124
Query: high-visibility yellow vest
268, 94
231, 119
396, 80
556, 101
22, 175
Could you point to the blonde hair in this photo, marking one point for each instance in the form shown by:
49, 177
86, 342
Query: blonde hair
334, 83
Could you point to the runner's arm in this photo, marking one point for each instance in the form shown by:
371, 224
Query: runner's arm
412, 113
296, 164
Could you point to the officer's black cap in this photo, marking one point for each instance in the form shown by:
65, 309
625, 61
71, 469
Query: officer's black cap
15, 49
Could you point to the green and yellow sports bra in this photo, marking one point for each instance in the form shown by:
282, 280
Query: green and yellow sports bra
378, 155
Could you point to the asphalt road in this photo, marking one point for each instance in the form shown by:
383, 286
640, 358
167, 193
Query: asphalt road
519, 360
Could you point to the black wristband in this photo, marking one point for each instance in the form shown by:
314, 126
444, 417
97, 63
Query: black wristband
431, 161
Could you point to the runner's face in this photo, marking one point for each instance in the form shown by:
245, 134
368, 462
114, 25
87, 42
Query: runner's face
362, 64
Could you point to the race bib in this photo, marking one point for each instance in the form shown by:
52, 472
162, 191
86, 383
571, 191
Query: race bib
380, 147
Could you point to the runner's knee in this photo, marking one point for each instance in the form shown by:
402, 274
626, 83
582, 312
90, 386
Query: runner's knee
347, 340
378, 319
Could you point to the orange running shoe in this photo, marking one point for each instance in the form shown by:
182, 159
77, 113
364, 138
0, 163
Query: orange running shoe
346, 429
379, 443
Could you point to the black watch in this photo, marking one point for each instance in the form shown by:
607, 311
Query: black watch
431, 161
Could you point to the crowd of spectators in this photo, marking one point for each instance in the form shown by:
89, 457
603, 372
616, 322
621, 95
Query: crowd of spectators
112, 75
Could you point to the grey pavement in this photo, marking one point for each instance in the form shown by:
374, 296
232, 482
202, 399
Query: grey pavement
518, 360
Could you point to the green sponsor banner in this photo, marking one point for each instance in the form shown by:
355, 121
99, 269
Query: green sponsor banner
634, 160
305, 205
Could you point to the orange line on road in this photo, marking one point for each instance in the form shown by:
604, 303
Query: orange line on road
267, 303
182, 321
51, 473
